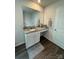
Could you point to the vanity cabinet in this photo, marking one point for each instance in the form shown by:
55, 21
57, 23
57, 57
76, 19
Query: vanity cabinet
32, 38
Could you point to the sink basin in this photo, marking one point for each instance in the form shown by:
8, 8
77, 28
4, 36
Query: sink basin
32, 29
39, 28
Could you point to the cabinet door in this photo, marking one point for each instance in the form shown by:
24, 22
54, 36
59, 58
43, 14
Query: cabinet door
29, 40
36, 37
58, 31
32, 38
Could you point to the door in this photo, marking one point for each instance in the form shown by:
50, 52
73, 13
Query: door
58, 30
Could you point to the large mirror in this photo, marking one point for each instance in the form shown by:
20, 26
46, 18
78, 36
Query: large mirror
31, 17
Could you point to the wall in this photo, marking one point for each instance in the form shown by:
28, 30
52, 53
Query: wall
51, 13
19, 34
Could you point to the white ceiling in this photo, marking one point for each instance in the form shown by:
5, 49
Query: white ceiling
45, 3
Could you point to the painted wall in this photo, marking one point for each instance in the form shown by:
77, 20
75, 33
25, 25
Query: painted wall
19, 34
52, 14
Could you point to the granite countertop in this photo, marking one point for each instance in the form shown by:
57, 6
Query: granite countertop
27, 30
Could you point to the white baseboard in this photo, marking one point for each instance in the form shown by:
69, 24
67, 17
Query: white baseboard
19, 44
58, 43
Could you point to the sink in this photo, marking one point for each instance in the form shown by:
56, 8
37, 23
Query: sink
39, 28
32, 29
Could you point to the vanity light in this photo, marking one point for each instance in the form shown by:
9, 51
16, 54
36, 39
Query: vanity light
39, 1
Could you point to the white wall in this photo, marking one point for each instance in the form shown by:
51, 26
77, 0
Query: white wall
51, 12
19, 35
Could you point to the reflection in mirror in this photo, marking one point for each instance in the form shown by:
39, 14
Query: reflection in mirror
31, 18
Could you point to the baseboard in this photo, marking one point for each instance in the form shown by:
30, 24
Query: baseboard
56, 43
19, 44
20, 47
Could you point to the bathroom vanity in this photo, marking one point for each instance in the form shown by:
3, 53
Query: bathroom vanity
32, 36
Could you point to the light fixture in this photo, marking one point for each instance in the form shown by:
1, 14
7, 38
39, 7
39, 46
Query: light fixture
39, 1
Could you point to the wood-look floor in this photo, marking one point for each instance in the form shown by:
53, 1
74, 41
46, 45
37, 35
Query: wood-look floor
51, 51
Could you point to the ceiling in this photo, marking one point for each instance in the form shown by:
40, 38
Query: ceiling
45, 3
